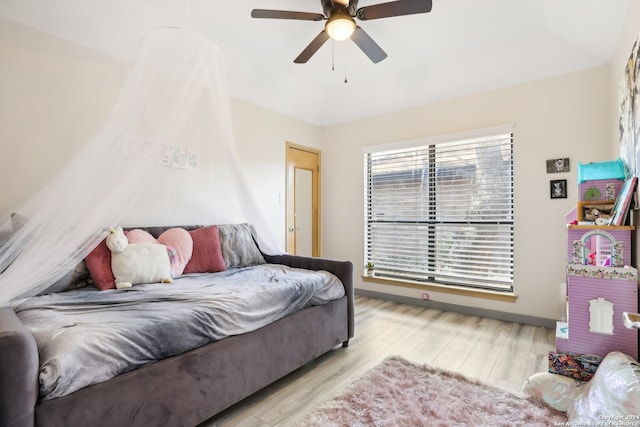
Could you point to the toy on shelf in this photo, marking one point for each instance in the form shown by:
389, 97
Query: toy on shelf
623, 202
610, 170
631, 320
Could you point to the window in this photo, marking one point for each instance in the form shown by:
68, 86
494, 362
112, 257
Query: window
440, 210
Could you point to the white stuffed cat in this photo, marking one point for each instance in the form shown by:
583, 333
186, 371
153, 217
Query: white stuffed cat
137, 263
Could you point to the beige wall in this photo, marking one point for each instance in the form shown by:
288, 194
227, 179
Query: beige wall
55, 88
54, 97
571, 116
567, 116
261, 136
56, 94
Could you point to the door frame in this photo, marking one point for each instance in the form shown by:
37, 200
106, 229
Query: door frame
290, 197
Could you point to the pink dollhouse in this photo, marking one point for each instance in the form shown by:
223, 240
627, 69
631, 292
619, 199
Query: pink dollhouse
601, 286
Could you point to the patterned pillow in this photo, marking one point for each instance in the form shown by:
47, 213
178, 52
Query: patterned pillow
239, 249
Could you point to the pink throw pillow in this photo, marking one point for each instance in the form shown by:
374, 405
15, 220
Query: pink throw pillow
99, 265
181, 242
139, 236
207, 252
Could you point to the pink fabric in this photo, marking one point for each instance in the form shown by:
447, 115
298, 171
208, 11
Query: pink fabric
207, 252
181, 242
139, 236
99, 265
177, 240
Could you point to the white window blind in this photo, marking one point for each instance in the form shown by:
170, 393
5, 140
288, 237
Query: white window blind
442, 211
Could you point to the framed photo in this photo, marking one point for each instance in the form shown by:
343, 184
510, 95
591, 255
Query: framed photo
558, 165
558, 189
592, 212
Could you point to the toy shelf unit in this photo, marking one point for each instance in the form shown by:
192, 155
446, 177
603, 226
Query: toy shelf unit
601, 286
600, 181
604, 196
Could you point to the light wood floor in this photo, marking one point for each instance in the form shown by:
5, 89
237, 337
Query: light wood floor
500, 353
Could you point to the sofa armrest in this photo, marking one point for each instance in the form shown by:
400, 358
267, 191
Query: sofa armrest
18, 371
341, 269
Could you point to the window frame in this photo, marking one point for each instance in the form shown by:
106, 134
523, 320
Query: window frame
506, 285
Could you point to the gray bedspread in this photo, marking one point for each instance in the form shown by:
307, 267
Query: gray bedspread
87, 336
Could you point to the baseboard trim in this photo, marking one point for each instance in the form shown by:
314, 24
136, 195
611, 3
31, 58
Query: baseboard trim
473, 311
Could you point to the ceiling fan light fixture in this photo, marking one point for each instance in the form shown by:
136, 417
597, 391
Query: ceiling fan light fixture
340, 27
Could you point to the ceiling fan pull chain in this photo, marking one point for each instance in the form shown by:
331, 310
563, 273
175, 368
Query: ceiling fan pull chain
345, 67
333, 55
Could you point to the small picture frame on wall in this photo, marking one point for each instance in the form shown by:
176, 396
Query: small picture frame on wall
558, 189
558, 165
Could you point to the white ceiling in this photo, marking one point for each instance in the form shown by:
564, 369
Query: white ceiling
460, 47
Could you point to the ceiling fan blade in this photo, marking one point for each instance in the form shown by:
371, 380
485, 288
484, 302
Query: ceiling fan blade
368, 46
394, 8
312, 48
286, 14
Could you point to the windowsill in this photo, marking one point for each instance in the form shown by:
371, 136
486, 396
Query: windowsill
446, 289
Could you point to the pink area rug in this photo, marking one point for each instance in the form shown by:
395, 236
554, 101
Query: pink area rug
400, 393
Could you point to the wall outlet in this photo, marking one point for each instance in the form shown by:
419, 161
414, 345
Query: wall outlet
425, 296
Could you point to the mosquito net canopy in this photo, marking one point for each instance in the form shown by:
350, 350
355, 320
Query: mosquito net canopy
165, 156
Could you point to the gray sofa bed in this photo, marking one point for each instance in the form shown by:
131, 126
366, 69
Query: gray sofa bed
180, 390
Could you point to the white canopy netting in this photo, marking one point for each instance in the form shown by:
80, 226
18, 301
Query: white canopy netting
165, 156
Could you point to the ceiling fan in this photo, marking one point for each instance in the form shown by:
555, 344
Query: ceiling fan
341, 25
